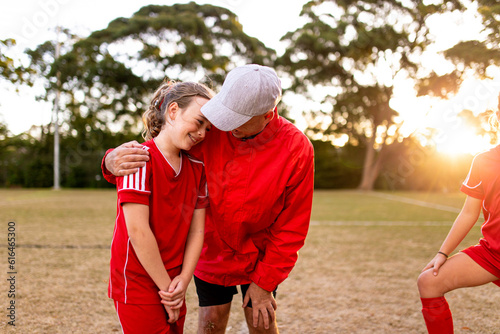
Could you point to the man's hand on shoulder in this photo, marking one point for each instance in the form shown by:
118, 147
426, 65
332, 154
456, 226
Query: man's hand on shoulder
126, 159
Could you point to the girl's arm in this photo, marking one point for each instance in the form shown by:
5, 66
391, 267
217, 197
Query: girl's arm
462, 225
194, 243
146, 247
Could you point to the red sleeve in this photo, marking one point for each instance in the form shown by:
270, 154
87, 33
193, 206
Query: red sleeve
287, 234
472, 186
202, 201
197, 151
135, 188
105, 172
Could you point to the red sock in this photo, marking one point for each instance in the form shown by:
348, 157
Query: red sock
437, 315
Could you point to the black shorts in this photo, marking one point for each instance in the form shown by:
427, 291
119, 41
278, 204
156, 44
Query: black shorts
213, 294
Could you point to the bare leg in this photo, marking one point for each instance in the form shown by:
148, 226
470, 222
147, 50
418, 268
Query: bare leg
213, 319
273, 326
459, 271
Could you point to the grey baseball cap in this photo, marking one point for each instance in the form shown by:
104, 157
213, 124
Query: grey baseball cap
248, 91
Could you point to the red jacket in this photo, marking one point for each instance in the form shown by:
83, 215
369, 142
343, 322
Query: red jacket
260, 193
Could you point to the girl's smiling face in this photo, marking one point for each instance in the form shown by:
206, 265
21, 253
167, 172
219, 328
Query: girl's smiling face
188, 125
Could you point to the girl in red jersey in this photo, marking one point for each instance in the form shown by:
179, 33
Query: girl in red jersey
160, 220
476, 265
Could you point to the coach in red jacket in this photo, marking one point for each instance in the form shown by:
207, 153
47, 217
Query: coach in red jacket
260, 185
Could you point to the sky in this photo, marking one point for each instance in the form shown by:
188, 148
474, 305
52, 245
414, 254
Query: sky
32, 22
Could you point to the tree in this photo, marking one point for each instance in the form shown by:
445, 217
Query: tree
106, 80
119, 67
8, 68
471, 58
472, 55
109, 76
357, 50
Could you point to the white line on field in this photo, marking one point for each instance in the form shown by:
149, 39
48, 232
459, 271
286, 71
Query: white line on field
379, 223
415, 202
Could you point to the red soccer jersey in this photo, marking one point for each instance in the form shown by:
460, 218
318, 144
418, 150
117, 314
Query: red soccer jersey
172, 198
483, 182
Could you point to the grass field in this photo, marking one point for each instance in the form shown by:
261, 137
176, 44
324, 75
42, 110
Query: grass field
356, 274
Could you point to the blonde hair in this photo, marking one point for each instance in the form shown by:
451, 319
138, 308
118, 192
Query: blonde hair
169, 92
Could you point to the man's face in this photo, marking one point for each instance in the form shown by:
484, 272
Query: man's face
255, 125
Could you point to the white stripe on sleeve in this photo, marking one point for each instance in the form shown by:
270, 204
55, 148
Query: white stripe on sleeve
143, 179
136, 175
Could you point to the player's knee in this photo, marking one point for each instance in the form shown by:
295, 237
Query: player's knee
213, 319
212, 325
209, 327
260, 329
430, 286
425, 282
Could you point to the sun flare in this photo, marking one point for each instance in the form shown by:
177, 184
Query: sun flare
452, 134
461, 139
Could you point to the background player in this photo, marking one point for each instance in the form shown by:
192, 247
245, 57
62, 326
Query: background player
476, 265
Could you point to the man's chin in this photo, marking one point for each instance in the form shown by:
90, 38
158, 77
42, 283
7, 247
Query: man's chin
238, 135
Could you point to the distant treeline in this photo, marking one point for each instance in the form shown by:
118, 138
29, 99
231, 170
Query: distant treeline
28, 162
413, 168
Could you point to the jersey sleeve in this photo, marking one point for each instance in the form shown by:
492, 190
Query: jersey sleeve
202, 201
472, 185
135, 188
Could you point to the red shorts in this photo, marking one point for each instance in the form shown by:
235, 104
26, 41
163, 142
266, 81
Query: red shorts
483, 257
148, 318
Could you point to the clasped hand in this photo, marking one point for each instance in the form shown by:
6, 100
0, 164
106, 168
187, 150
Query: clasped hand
173, 298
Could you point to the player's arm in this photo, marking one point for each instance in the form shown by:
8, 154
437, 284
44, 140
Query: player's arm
463, 224
194, 243
145, 246
125, 159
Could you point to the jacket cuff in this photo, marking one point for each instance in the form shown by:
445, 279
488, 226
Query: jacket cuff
264, 282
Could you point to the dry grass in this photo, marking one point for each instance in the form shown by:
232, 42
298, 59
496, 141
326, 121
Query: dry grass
350, 278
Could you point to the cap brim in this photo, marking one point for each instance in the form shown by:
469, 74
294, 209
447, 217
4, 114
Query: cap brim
222, 117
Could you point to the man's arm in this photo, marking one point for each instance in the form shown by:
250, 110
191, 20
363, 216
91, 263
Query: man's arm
123, 160
286, 236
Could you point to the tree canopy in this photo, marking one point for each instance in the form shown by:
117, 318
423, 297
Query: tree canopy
357, 49
475, 55
110, 75
9, 70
